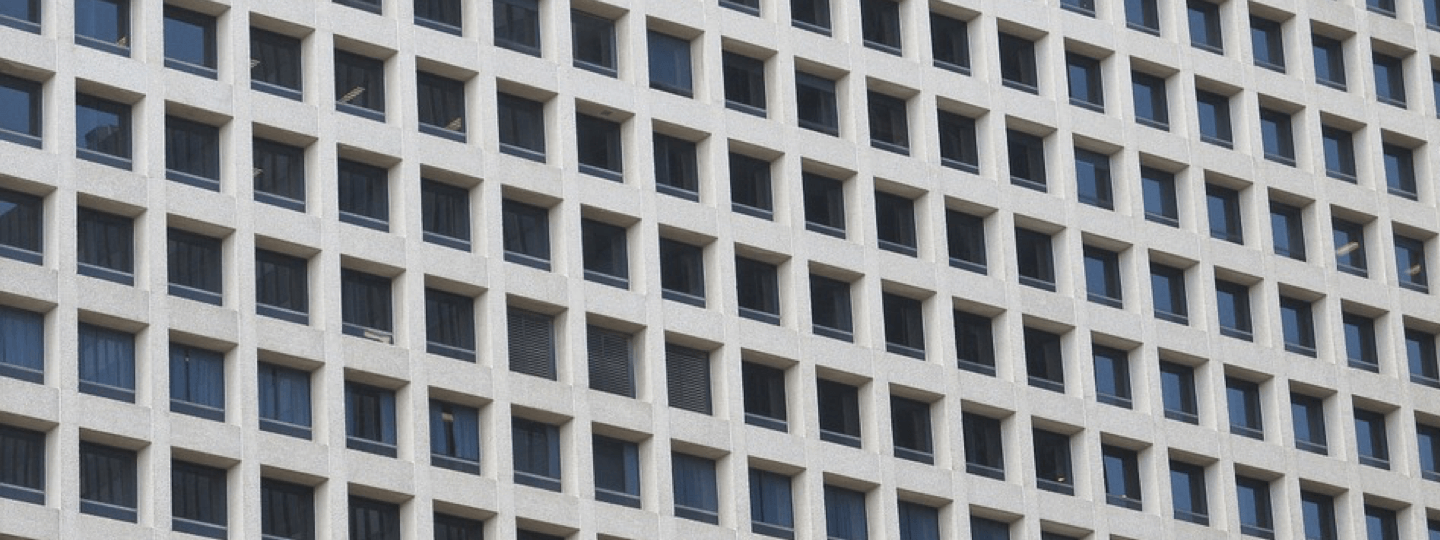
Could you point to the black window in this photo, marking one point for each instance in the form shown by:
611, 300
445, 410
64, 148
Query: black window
1142, 15
372, 6
1152, 102
757, 287
812, 15
1087, 85
772, 513
1214, 111
22, 478
195, 266
1027, 159
190, 41
1432, 21
279, 171
457, 528
364, 195
694, 486
744, 83
1428, 438
103, 25
677, 169
816, 105
1052, 462
950, 43
910, 429
895, 223
106, 246
284, 400
1017, 63
536, 448
1329, 61
531, 338
889, 126
687, 378
830, 307
958, 142
521, 123
597, 141
1267, 43
1083, 7
965, 241
1161, 204
442, 15
1167, 285
1389, 80
611, 361
449, 324
824, 204
988, 529
275, 64
1044, 363
617, 471
880, 25
974, 343
1035, 260
744, 6
605, 253
1288, 231
1372, 439
1308, 416
282, 287
107, 363
845, 514
21, 108
22, 345
593, 38
1222, 206
442, 106
1298, 326
1243, 403
682, 272
365, 305
1277, 137
287, 511
102, 130
1102, 277
1205, 32
192, 153
517, 25
527, 234
750, 186
370, 419
764, 396
1112, 376
1092, 178
1187, 492
1399, 170
1383, 7
1122, 477
197, 382
374, 520
21, 15
839, 409
1420, 354
670, 68
109, 486
445, 214
1350, 247
1360, 342
21, 226
1256, 518
1177, 388
1381, 523
360, 85
1232, 301
984, 446
197, 499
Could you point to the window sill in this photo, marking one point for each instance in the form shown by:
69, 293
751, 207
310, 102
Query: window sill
672, 89
1044, 285
455, 464
986, 471
1047, 384
1337, 85
952, 66
1223, 143
22, 494
277, 90
1054, 486
601, 172
747, 108
197, 410
1251, 530
746, 9
371, 114
1422, 288
1208, 47
280, 201
1177, 318
683, 297
369, 446
887, 48
119, 162
918, 456
193, 180
1106, 300
972, 168
105, 46
1237, 333
1183, 416
762, 213
288, 315
283, 428
833, 131
1353, 270
608, 71
614, 497
537, 481
826, 230
1306, 350
1416, 378
207, 72
1198, 519
107, 510
777, 424
365, 221
447, 241
688, 194
776, 531
107, 274
1080, 10
1372, 461
1311, 447
1150, 122
762, 316
372, 334
522, 48
23, 139
116, 393
1162, 219
1364, 366
901, 148
976, 367
22, 373
531, 154
619, 282
198, 528
1347, 177
810, 26
905, 350
969, 266
696, 514
32, 27
448, 28
842, 439
1117, 401
1152, 30
1248, 432
372, 7
1088, 105
834, 333
450, 351
525, 259
1029, 184
1283, 160
22, 255
1404, 193
896, 247
1278, 68
444, 133
1125, 502
1021, 86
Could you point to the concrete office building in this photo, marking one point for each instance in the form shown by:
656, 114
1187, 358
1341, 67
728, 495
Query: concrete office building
709, 269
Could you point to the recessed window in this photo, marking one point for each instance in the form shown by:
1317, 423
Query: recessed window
1177, 388
750, 186
1205, 31
366, 305
889, 126
360, 85
830, 308
845, 514
370, 419
21, 226
597, 141
372, 6
1277, 137
21, 109
1222, 207
364, 195
526, 234
1420, 354
1112, 376
1152, 101
772, 512
975, 342
107, 363
1389, 80
374, 520
197, 382
959, 148
764, 389
1017, 63
1329, 61
1297, 325
1167, 285
744, 83
284, 400
812, 15
1267, 43
816, 105
611, 361
751, 7
1256, 517
687, 378
965, 241
904, 325
605, 253
445, 214
950, 43
696, 495
677, 169
279, 171
1044, 363
1052, 462
1122, 477
682, 272
21, 15
1142, 15
1232, 302
521, 124
1371, 439
1350, 247
988, 529
1027, 160
593, 39
984, 446
442, 15
1288, 231
450, 324
106, 246
1214, 112
282, 287
617, 471
1102, 277
23, 476
442, 106
517, 25
1087, 85
1383, 7
670, 68
839, 410
192, 153
1360, 342
1034, 259
275, 64
1432, 21
197, 499
457, 528
880, 25
895, 223
1083, 7
1308, 416
102, 131
1092, 179
1243, 403
757, 288
1410, 264
1161, 203
109, 485
530, 338
103, 25
824, 204
1339, 153
1399, 170
1428, 438
910, 428
1187, 493
1381, 523
22, 355
190, 41
286, 510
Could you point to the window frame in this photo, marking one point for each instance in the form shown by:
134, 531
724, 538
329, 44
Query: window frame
1112, 376
1035, 259
1420, 355
295, 504
1178, 394
450, 325
1086, 81
1277, 136
1054, 466
1287, 226
838, 321
439, 98
363, 193
1214, 115
204, 511
284, 400
889, 122
1360, 343
817, 103
1307, 413
677, 166
107, 362
1158, 186
1121, 470
1267, 43
744, 79
671, 63
1302, 339
772, 504
367, 305
751, 186
1205, 29
271, 186
526, 234
1150, 91
370, 419
1399, 163
23, 476
197, 382
1372, 439
600, 147
282, 288
174, 17
87, 23
1329, 54
1195, 501
23, 351
1223, 214
33, 105
895, 227
757, 286
763, 388
682, 272
22, 227
365, 74
617, 470
521, 125
593, 43
1256, 514
839, 413
116, 148
441, 15
1244, 408
950, 43
880, 26
29, 20
693, 481
1234, 299
1350, 248
517, 26
610, 361
1044, 359
1093, 179
984, 445
445, 214
959, 143
196, 266
530, 343
1102, 277
605, 253
911, 430
1389, 79
965, 241
812, 15
536, 455
1025, 154
1170, 296
1018, 65
116, 495
286, 79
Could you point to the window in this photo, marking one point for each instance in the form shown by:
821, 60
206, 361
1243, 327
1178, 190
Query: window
750, 191
670, 69
1214, 111
190, 41
1383, 7
1043, 360
839, 409
1027, 159
279, 171
1308, 414
606, 258
449, 325
197, 498
984, 446
617, 471
275, 64
593, 39
830, 307
360, 85
442, 106
22, 15
531, 338
22, 345
108, 482
1243, 399
910, 425
366, 305
880, 25
102, 130
527, 234
1177, 388
458, 528
1350, 247
1288, 231
536, 449
1329, 61
1410, 264
950, 43
1298, 326
1052, 462
889, 127
693, 482
1142, 15
988, 529
744, 83
195, 266
517, 25
1017, 63
374, 520
1122, 477
816, 104
1399, 170
454, 437
522, 127
1102, 277
677, 171
744, 6
1161, 205
597, 141
1389, 80
682, 272
1381, 524
1187, 491
1205, 32
1360, 342
845, 514
1267, 43
1083, 7
1087, 85
824, 205
445, 214
107, 363
895, 222
364, 195
771, 511
1232, 301
1092, 178
106, 246
1371, 439
611, 361
812, 15
918, 521
1432, 21
1035, 259
369, 419
757, 287
281, 287
21, 108
965, 241
287, 511
1318, 513
1420, 354
1152, 103
1428, 437
958, 146
1278, 140
1254, 498
284, 400
192, 153
1112, 375
21, 226
1168, 286
197, 382
103, 25
1222, 205
687, 378
23, 476
764, 388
